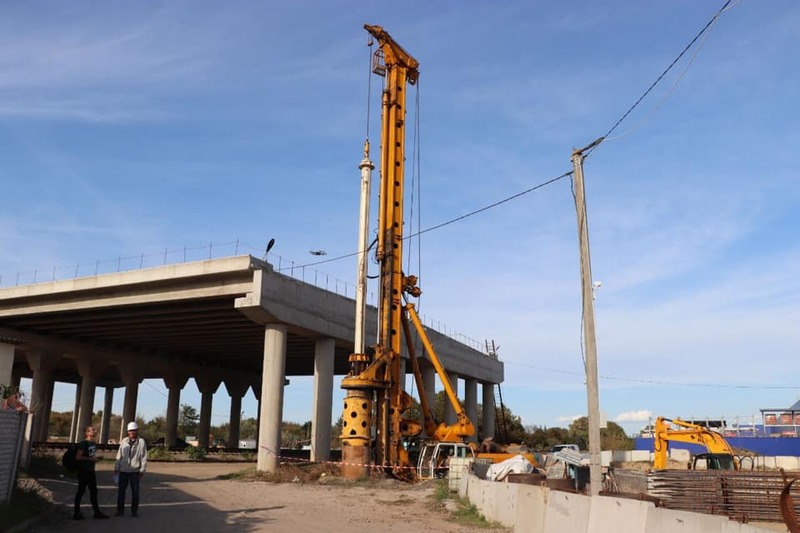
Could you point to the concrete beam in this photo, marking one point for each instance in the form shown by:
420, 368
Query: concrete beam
152, 366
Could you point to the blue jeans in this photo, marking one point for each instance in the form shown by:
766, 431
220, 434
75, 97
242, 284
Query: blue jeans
124, 478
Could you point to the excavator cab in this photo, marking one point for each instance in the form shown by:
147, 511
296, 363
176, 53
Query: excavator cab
714, 461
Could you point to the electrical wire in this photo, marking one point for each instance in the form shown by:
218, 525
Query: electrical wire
661, 103
724, 8
447, 223
491, 206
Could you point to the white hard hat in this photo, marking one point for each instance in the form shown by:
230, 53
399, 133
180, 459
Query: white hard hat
132, 426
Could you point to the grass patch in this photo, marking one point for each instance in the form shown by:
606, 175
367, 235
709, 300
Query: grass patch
244, 474
402, 500
461, 510
26, 503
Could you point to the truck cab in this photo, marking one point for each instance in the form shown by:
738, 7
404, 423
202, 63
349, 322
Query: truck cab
434, 458
560, 447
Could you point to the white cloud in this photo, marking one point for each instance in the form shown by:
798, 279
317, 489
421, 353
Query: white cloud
568, 418
642, 415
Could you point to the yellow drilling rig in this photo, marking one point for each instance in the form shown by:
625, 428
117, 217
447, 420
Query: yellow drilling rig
374, 428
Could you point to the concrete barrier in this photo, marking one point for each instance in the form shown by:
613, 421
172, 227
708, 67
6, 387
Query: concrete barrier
566, 512
787, 463
537, 509
627, 516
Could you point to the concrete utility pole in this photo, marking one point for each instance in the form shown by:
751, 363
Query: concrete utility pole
595, 469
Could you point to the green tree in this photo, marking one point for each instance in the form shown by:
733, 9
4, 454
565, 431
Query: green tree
509, 428
294, 435
60, 424
612, 437
153, 429
187, 420
248, 428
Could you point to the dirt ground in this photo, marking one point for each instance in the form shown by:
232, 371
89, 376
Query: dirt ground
192, 497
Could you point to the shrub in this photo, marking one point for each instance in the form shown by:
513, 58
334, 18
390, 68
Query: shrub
196, 453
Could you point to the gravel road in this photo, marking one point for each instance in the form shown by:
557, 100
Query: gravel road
190, 497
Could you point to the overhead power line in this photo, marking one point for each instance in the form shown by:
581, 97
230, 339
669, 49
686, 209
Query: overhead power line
451, 221
708, 25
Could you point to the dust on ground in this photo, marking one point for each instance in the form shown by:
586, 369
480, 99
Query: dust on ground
300, 498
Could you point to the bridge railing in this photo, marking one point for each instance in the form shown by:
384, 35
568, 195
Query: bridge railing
186, 254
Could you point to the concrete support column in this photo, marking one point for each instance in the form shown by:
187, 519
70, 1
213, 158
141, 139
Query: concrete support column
76, 406
237, 388
174, 382
272, 383
207, 384
42, 364
256, 385
48, 403
323, 400
16, 377
488, 410
6, 363
86, 408
90, 371
449, 410
105, 424
132, 376
429, 382
471, 404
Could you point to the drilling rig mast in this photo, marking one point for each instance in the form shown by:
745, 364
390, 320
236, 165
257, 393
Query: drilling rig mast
372, 385
375, 399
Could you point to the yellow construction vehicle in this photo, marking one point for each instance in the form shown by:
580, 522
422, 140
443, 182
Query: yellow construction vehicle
374, 399
719, 457
374, 430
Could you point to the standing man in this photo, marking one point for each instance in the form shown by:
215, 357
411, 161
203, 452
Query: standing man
85, 459
129, 468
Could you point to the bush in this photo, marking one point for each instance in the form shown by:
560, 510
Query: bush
159, 453
196, 453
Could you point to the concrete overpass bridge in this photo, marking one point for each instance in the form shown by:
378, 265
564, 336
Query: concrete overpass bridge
232, 321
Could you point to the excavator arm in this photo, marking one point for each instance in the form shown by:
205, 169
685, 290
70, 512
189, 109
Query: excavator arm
677, 430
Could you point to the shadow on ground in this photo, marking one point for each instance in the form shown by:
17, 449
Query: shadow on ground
169, 502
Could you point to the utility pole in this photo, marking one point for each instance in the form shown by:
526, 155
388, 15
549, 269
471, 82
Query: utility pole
595, 469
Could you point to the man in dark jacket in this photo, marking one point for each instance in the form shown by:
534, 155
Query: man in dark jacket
85, 459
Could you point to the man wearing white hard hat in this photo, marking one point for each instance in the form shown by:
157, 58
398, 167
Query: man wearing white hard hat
129, 468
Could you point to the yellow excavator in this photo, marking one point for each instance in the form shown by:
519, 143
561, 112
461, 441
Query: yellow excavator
719, 457
374, 431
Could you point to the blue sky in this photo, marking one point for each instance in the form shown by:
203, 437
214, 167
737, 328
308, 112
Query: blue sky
128, 130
